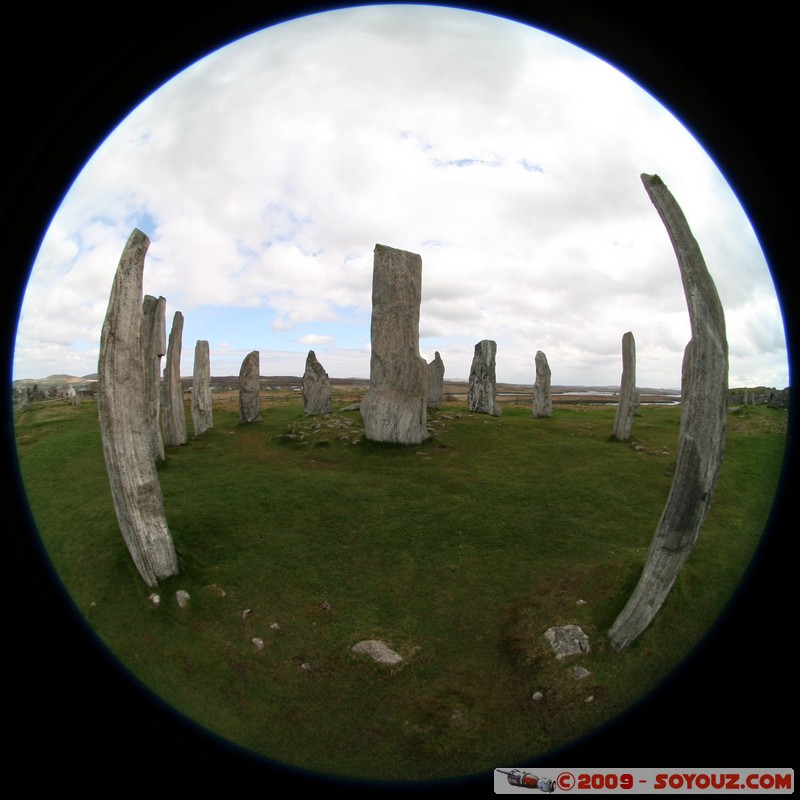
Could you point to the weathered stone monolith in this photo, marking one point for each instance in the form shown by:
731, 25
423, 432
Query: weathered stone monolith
482, 392
435, 381
701, 438
394, 408
124, 422
154, 334
627, 390
174, 414
250, 388
542, 401
316, 387
202, 412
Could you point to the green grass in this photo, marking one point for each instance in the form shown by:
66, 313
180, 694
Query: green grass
459, 553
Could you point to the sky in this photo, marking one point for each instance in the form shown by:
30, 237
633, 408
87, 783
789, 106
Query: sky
509, 159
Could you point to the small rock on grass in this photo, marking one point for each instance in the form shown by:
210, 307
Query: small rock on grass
379, 651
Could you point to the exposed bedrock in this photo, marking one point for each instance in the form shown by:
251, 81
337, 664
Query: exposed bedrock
394, 408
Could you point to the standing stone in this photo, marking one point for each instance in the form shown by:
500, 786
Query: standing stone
435, 381
202, 413
316, 387
250, 387
154, 334
627, 390
172, 388
124, 422
542, 401
482, 393
394, 406
701, 438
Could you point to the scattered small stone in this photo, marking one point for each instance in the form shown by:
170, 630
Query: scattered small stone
537, 696
154, 599
325, 606
275, 626
580, 602
567, 640
182, 598
580, 673
378, 650
248, 612
257, 643
306, 666
590, 698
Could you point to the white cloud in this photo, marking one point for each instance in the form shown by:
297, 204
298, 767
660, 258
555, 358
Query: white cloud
508, 159
312, 339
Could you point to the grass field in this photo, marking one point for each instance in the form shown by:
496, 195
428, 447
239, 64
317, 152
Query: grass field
458, 553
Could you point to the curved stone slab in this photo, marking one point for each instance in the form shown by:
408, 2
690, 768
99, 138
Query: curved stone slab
154, 334
125, 425
701, 439
174, 414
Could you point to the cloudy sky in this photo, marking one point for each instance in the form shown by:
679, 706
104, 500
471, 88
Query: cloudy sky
508, 159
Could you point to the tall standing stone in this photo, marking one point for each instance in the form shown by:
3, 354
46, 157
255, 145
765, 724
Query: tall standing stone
701, 438
482, 392
394, 408
250, 388
627, 390
316, 387
435, 381
202, 412
124, 422
154, 334
542, 401
174, 414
